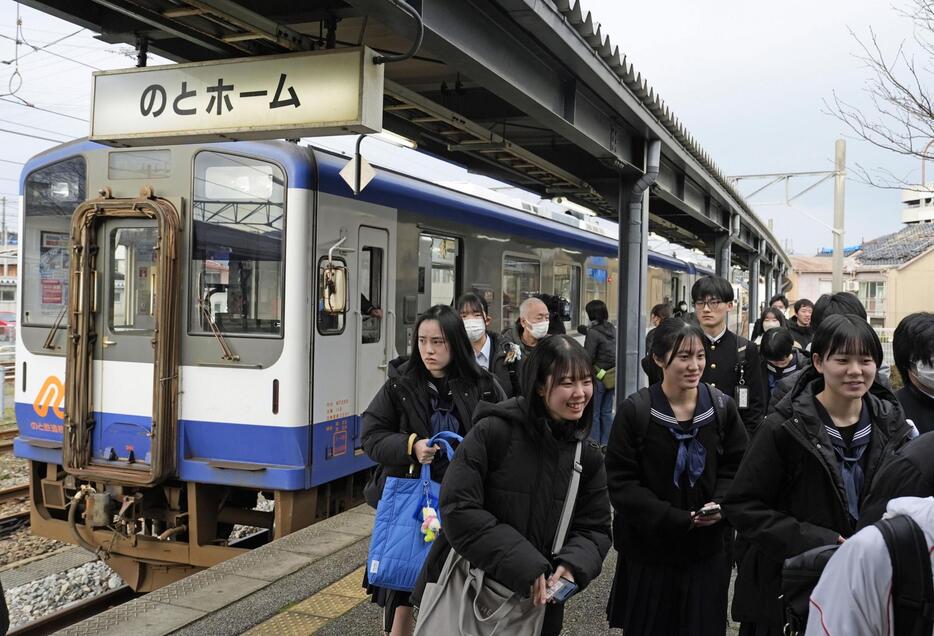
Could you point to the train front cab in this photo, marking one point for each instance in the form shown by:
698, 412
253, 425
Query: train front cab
175, 412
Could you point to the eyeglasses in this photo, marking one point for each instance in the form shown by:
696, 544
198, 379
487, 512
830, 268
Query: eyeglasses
713, 304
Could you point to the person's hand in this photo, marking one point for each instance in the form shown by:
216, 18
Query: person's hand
561, 571
840, 540
704, 521
377, 313
539, 589
424, 453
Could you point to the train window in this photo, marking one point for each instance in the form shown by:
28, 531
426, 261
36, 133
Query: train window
51, 195
237, 253
521, 280
437, 270
595, 284
139, 164
568, 287
133, 277
329, 324
371, 301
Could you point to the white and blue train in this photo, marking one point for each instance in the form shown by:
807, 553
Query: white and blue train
211, 304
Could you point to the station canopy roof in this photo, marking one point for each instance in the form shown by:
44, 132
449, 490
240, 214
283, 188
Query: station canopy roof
530, 92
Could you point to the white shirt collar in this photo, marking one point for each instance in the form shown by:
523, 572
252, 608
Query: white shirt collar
717, 337
483, 356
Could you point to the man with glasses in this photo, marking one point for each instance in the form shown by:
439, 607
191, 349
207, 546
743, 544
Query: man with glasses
733, 363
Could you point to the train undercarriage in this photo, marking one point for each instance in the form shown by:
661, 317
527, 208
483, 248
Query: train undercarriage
156, 535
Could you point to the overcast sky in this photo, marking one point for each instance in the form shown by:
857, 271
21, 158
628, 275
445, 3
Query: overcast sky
748, 79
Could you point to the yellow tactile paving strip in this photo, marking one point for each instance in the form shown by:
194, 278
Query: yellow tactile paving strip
310, 615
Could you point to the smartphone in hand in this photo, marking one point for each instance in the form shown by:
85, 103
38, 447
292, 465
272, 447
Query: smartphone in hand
562, 590
708, 511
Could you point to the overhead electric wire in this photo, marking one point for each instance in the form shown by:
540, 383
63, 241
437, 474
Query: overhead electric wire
37, 49
22, 134
45, 110
45, 130
18, 163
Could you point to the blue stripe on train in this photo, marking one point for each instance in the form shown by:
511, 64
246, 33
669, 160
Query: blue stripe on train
255, 456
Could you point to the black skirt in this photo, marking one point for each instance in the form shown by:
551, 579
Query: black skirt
683, 599
388, 599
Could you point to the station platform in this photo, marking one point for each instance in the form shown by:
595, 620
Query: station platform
306, 583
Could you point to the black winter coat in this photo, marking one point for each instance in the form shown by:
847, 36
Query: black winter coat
502, 497
655, 521
402, 407
514, 352
788, 495
918, 407
506, 372
600, 343
909, 474
801, 333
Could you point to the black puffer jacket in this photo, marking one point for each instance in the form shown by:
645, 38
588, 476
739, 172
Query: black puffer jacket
600, 343
502, 496
801, 333
788, 495
402, 407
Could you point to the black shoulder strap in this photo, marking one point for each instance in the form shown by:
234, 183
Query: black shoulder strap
912, 585
719, 399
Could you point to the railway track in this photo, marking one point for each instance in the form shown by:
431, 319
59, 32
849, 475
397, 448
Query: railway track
14, 492
76, 612
6, 440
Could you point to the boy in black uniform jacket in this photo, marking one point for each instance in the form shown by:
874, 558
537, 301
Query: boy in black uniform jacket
733, 363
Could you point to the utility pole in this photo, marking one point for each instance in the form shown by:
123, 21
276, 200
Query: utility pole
3, 200
838, 193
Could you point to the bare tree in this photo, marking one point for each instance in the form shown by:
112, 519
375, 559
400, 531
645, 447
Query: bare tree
902, 117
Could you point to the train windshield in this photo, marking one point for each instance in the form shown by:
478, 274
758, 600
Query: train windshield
237, 255
51, 195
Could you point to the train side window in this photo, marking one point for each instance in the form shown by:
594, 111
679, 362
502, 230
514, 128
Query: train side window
438, 267
50, 196
371, 293
522, 279
329, 324
238, 248
568, 287
595, 284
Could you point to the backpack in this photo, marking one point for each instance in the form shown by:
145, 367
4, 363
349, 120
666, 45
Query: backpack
912, 584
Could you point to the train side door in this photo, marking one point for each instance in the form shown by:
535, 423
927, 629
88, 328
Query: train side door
374, 315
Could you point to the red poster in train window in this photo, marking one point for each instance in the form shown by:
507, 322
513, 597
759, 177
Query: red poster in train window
51, 291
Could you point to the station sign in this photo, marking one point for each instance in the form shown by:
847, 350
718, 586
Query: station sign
330, 92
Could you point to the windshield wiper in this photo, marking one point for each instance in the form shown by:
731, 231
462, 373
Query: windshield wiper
228, 353
48, 344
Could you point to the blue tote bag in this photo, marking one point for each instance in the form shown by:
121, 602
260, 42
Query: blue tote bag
398, 548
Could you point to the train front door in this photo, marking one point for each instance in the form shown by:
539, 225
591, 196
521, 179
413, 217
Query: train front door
127, 269
121, 393
374, 341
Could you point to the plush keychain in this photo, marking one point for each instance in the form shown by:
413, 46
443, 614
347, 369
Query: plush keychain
430, 524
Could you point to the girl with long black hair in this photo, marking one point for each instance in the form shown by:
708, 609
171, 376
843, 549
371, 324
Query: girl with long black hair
673, 451
502, 496
810, 465
436, 390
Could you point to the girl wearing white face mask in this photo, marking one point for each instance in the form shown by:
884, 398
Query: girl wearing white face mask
489, 350
913, 349
773, 318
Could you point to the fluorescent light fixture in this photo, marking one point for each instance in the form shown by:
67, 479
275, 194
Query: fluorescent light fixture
570, 205
396, 140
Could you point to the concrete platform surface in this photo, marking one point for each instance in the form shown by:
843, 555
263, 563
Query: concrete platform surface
45, 565
236, 595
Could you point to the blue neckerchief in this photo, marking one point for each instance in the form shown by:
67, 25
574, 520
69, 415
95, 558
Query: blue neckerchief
850, 459
442, 411
692, 456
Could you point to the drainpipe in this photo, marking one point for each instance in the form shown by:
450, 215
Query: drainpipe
633, 259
